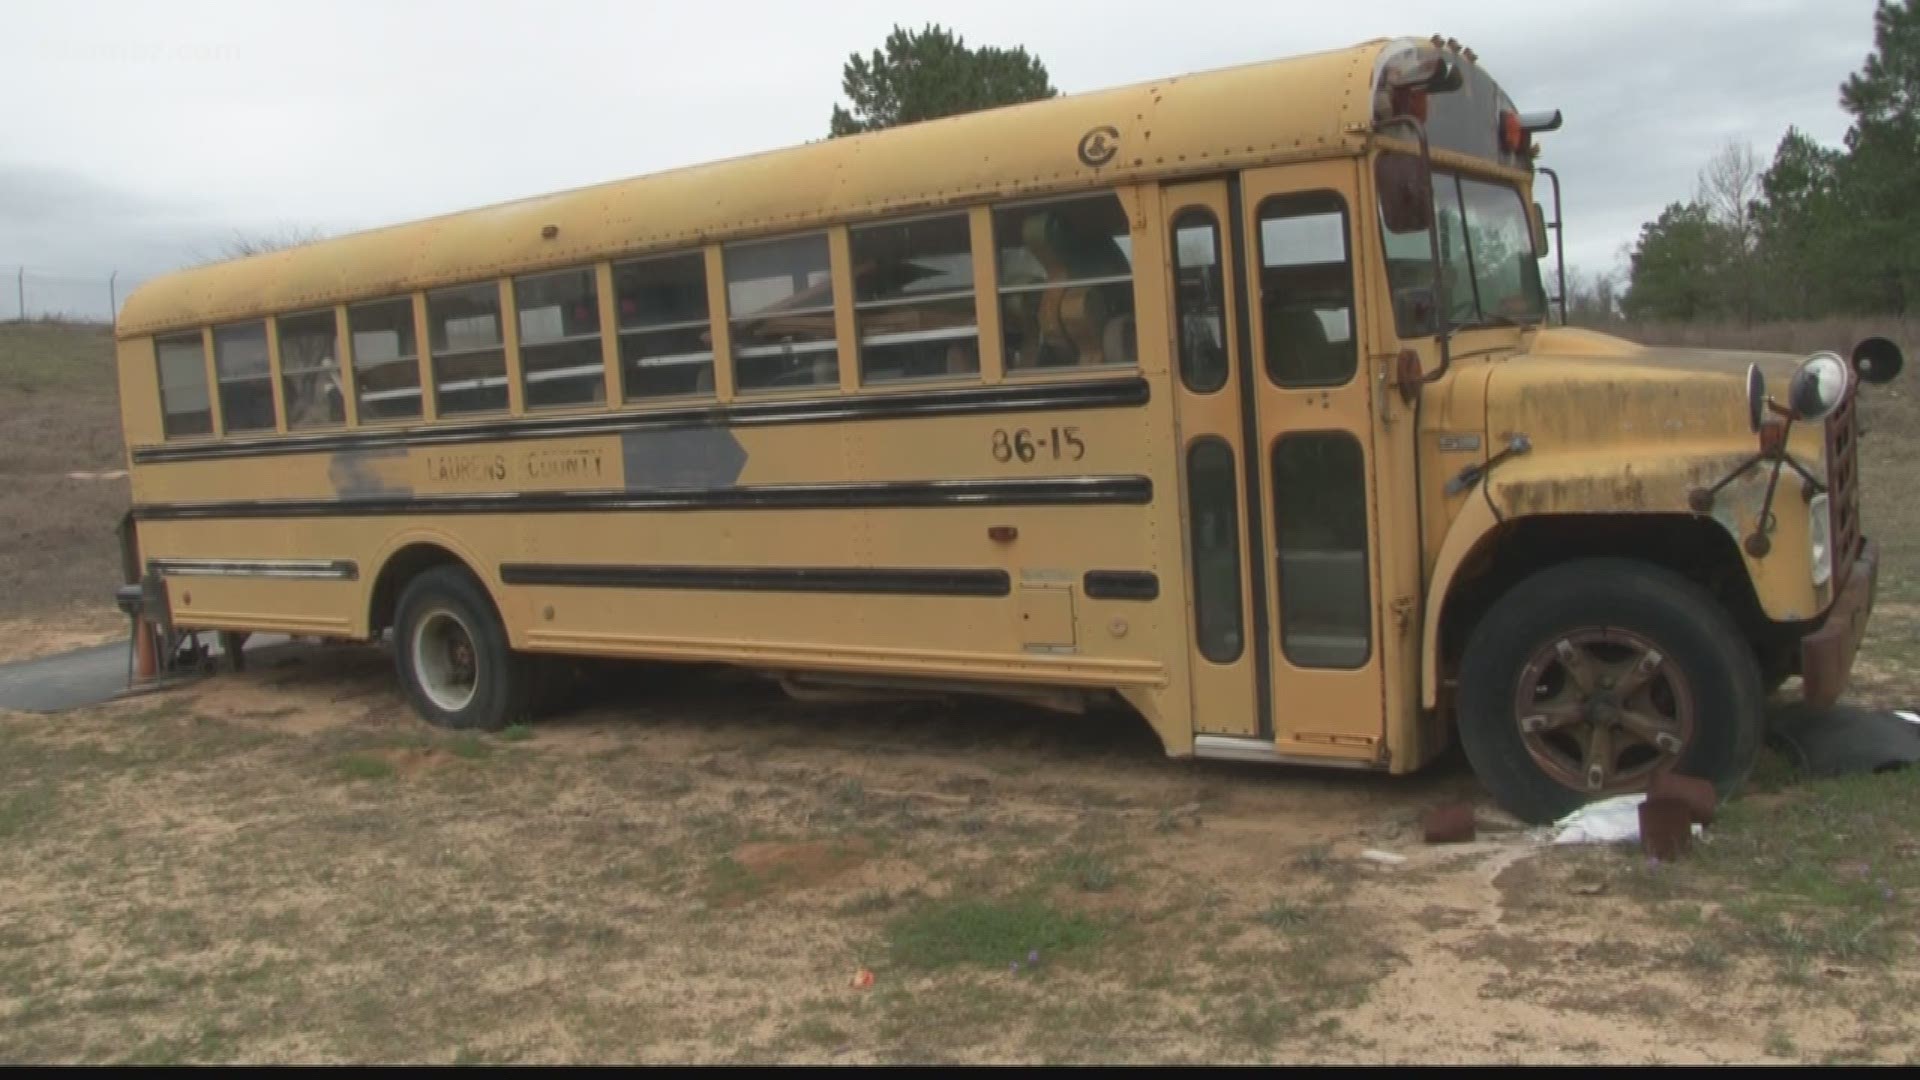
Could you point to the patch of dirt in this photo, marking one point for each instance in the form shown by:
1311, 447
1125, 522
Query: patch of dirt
306, 692
794, 866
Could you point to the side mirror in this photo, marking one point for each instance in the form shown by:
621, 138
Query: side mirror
1877, 360
1541, 243
1756, 397
1406, 193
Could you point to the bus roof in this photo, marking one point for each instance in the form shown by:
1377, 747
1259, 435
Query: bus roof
1298, 107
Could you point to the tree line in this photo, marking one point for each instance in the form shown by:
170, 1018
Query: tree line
1818, 231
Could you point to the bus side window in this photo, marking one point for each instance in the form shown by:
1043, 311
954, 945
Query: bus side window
186, 409
310, 370
1320, 522
1306, 290
560, 361
1213, 523
469, 358
780, 307
386, 359
913, 300
1200, 301
666, 340
246, 378
1066, 283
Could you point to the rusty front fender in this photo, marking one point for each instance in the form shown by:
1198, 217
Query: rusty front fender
1569, 484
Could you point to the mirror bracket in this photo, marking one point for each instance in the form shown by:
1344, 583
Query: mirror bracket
1410, 388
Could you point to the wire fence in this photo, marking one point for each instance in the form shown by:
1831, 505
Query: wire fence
30, 293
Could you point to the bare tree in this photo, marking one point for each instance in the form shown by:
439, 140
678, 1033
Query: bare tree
1730, 190
244, 244
1729, 186
1593, 298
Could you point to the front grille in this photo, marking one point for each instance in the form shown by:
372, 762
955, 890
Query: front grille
1843, 485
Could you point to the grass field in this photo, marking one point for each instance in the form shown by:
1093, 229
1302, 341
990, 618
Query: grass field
284, 865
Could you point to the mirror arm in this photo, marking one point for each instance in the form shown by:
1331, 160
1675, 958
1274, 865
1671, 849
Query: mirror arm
1444, 332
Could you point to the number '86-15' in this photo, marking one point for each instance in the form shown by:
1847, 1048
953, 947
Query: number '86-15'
1059, 443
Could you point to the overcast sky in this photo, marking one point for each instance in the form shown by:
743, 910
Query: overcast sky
137, 137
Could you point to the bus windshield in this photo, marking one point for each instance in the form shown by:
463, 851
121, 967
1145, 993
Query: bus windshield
1488, 269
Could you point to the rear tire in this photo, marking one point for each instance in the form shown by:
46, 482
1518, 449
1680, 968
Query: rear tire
453, 657
1631, 668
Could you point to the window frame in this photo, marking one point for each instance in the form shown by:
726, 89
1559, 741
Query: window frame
526, 376
831, 343
1352, 284
1236, 598
1179, 312
969, 292
339, 368
266, 376
621, 331
1280, 526
503, 345
200, 338
418, 391
1001, 290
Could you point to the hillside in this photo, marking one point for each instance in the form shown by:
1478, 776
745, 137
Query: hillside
59, 416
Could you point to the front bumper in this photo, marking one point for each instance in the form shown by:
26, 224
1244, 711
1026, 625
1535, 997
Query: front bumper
1826, 655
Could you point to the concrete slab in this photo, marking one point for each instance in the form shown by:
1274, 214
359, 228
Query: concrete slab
90, 676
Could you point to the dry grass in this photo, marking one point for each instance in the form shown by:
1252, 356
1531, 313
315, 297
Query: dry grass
59, 414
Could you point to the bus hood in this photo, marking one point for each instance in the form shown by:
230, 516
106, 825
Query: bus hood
1592, 389
1613, 426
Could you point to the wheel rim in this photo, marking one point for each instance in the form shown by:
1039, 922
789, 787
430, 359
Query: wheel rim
1602, 710
445, 662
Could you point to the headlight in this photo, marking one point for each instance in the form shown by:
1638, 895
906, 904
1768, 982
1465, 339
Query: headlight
1820, 539
1816, 388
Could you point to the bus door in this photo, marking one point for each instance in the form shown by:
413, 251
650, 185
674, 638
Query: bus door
1281, 416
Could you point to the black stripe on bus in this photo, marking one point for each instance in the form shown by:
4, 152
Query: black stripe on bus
1037, 491
1104, 393
827, 579
1122, 585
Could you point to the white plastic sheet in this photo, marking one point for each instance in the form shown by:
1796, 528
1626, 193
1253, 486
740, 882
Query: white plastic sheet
1609, 821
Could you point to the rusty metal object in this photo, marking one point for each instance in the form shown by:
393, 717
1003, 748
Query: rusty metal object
1843, 484
1666, 828
1699, 795
1826, 655
1449, 823
1602, 710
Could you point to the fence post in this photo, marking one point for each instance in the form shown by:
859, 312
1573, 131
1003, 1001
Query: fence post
20, 286
113, 300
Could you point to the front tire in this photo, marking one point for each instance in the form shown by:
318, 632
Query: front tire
1589, 678
453, 656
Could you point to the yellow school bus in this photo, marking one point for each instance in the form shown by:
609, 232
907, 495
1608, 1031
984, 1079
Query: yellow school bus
1231, 397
